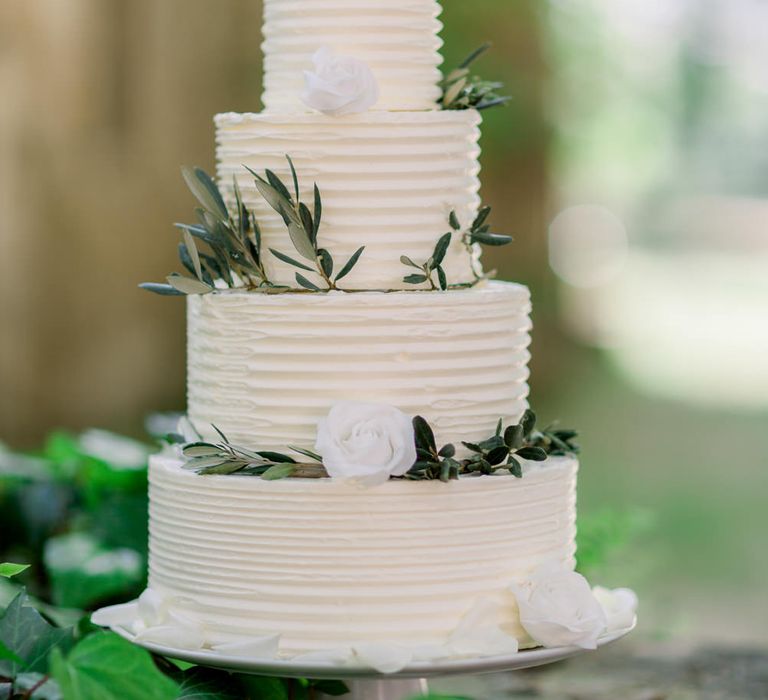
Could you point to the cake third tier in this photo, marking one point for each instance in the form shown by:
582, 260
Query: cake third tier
266, 368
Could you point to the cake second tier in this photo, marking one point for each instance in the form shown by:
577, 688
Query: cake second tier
388, 181
266, 368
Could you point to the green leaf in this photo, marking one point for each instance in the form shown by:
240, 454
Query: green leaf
479, 51
276, 457
189, 244
318, 212
326, 261
453, 220
198, 232
205, 191
304, 282
334, 688
306, 453
201, 449
515, 467
441, 249
447, 451
407, 261
289, 260
187, 285
294, 176
528, 422
266, 688
301, 241
497, 455
481, 217
491, 239
513, 436
7, 655
103, 666
499, 426
414, 279
8, 570
25, 633
441, 278
277, 183
199, 683
425, 438
162, 289
350, 264
278, 471
453, 92
535, 454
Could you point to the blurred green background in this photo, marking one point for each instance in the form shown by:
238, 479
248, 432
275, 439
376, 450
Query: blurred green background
631, 166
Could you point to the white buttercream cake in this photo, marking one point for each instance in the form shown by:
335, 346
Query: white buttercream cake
422, 527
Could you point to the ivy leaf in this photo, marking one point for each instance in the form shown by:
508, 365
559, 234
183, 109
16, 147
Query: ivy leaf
205, 191
165, 290
289, 260
425, 438
25, 634
8, 570
350, 264
304, 282
103, 666
441, 249
199, 683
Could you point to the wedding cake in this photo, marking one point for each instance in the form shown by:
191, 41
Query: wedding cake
359, 478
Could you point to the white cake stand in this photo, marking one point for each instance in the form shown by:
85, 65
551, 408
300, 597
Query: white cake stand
365, 683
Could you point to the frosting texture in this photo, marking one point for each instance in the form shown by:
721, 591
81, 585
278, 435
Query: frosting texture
328, 566
388, 181
398, 39
266, 368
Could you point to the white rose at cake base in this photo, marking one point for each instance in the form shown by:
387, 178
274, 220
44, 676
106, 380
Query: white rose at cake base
557, 608
339, 85
366, 442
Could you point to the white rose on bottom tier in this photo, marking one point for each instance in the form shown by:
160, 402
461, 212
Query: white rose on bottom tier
558, 608
339, 84
366, 442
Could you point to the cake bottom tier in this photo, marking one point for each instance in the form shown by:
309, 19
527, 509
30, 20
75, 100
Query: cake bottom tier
328, 565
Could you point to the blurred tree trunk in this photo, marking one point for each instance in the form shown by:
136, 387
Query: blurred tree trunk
102, 101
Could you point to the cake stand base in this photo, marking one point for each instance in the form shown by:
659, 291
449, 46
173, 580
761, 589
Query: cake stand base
366, 683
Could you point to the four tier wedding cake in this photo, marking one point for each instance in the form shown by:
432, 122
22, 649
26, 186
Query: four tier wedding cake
360, 477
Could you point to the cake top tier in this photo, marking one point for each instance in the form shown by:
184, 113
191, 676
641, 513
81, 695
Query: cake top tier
398, 39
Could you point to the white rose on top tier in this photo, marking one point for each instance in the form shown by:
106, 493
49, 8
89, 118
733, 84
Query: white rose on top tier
557, 608
366, 442
339, 84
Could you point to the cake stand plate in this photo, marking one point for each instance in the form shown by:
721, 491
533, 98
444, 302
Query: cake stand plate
366, 683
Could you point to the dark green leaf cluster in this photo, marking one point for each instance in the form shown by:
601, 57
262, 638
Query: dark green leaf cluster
233, 243
503, 450
464, 91
225, 458
303, 226
480, 231
433, 265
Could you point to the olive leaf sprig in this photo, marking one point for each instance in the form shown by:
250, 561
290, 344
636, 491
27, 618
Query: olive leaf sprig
479, 232
223, 457
233, 241
464, 91
503, 450
303, 226
433, 265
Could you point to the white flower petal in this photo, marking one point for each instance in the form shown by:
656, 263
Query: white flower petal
116, 615
384, 658
256, 648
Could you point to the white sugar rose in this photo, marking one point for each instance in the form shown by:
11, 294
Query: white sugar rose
339, 84
619, 606
367, 442
557, 608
